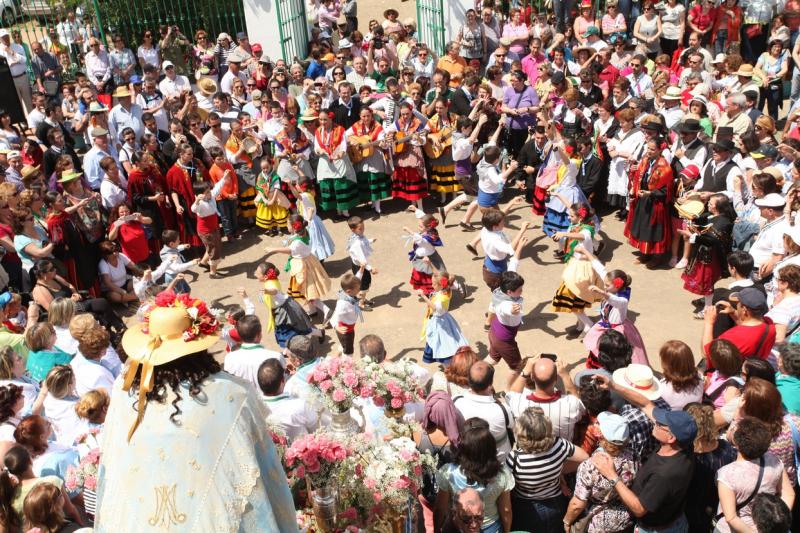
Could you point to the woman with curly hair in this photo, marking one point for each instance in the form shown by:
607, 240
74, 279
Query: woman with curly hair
476, 466
537, 464
455, 377
169, 364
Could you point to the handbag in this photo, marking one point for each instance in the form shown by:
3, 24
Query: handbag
430, 487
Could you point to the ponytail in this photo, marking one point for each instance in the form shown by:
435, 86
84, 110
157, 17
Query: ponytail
16, 462
624, 279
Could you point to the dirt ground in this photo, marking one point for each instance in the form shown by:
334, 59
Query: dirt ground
660, 307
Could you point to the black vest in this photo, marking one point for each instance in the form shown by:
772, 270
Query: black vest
716, 181
688, 151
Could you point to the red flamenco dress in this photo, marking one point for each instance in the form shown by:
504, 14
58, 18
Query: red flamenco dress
78, 255
708, 262
180, 180
648, 227
410, 178
143, 184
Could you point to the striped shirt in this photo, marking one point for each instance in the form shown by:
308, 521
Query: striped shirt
563, 410
536, 475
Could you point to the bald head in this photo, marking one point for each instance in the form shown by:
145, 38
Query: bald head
469, 500
544, 373
481, 376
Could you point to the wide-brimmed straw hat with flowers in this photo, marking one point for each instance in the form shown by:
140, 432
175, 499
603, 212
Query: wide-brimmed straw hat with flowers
173, 326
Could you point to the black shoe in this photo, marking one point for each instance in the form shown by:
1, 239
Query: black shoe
467, 227
443, 214
472, 250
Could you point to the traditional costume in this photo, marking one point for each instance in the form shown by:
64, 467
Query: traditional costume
499, 256
309, 280
627, 144
503, 329
424, 246
573, 294
709, 260
72, 248
270, 216
286, 317
244, 168
143, 185
335, 174
648, 226
180, 179
546, 177
294, 149
443, 336
345, 315
556, 216
374, 184
321, 243
409, 181
614, 315
443, 179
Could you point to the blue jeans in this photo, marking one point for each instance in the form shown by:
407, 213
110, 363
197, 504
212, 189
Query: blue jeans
679, 526
227, 213
630, 9
719, 44
562, 9
541, 516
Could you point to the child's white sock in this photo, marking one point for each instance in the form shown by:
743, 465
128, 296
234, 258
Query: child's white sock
376, 205
583, 319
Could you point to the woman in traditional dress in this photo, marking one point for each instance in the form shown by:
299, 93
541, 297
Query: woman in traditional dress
708, 261
147, 194
271, 204
410, 179
648, 227
78, 256
292, 147
621, 148
574, 294
309, 282
441, 127
182, 396
442, 334
335, 174
245, 168
374, 183
180, 178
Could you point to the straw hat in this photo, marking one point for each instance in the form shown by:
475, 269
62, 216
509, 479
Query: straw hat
175, 326
69, 175
672, 93
745, 70
28, 171
390, 11
690, 209
121, 92
207, 86
309, 115
97, 107
639, 378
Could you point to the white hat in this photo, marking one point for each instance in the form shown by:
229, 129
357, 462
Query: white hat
166, 64
794, 233
772, 199
613, 427
720, 58
13, 154
344, 43
223, 35
639, 378
4, 33
672, 93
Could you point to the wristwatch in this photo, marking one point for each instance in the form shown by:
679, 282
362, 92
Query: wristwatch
614, 481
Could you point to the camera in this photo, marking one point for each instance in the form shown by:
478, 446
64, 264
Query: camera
377, 43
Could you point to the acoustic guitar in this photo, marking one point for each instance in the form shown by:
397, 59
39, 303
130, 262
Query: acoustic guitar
438, 142
360, 147
399, 144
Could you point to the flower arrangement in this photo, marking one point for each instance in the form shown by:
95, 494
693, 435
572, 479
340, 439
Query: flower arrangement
316, 456
394, 384
204, 322
340, 380
84, 476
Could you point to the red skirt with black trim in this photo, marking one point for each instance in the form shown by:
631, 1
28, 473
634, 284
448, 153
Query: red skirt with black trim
409, 183
421, 281
700, 277
539, 195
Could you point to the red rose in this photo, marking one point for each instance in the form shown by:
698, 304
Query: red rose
165, 299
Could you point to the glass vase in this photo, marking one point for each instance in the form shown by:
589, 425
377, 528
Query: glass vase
342, 425
323, 503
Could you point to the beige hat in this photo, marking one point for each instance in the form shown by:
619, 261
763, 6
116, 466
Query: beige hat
672, 93
745, 70
29, 170
309, 115
207, 86
121, 92
639, 378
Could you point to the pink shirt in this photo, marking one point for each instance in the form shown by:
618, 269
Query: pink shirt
612, 25
529, 67
519, 34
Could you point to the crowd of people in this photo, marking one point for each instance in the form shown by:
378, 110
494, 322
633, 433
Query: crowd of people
136, 167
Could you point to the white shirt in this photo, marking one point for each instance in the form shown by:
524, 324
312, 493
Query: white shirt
506, 316
90, 375
486, 407
67, 425
360, 251
769, 241
226, 84
462, 147
495, 245
245, 361
118, 274
15, 55
293, 416
490, 179
206, 208
174, 87
344, 313
641, 87
112, 194
564, 413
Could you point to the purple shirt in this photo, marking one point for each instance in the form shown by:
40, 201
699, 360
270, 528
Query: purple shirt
515, 100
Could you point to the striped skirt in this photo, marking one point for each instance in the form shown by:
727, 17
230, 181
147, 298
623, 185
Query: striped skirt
443, 179
555, 221
271, 216
409, 183
247, 203
374, 186
340, 194
566, 302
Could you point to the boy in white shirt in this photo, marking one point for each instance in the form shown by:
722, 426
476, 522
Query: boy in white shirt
360, 249
501, 255
347, 312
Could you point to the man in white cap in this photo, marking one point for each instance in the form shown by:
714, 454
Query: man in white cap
125, 114
671, 106
173, 84
15, 55
235, 60
14, 170
91, 161
768, 249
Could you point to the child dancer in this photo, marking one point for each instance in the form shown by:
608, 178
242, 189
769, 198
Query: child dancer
229, 194
286, 316
440, 330
347, 312
174, 249
616, 294
360, 249
463, 142
205, 207
501, 255
309, 280
272, 213
573, 295
321, 242
425, 242
233, 315
507, 304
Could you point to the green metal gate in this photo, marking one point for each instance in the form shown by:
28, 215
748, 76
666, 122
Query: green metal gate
430, 24
292, 29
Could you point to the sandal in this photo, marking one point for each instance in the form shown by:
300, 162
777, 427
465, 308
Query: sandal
467, 227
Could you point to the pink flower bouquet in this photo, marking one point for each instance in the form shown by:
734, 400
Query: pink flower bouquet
84, 476
340, 380
316, 456
394, 384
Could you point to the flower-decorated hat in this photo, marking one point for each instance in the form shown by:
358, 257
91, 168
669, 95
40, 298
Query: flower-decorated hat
174, 326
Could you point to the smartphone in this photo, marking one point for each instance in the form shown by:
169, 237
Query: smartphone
551, 356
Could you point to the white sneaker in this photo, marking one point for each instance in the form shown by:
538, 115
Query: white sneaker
682, 263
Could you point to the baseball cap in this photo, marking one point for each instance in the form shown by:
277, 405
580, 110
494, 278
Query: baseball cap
680, 424
13, 154
241, 35
591, 30
256, 95
166, 64
256, 48
690, 171
765, 150
98, 132
613, 427
136, 79
751, 298
772, 199
557, 77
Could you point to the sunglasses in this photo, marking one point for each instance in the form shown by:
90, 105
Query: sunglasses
251, 85
276, 87
194, 124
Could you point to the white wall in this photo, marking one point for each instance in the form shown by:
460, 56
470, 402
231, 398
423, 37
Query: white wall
261, 18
